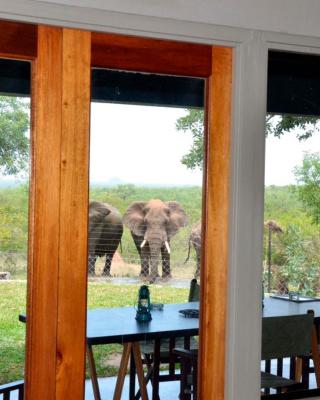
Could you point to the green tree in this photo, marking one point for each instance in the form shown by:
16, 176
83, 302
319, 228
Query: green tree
299, 267
308, 179
14, 141
125, 190
276, 125
193, 122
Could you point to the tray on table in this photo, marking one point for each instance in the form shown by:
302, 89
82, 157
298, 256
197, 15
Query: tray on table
300, 299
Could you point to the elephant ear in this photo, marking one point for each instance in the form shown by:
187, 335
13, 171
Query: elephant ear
98, 211
134, 218
178, 217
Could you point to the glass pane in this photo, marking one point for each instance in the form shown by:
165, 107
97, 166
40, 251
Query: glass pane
291, 279
14, 199
146, 154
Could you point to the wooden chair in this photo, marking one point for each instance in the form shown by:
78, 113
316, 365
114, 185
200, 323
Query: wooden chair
167, 345
305, 366
283, 337
188, 360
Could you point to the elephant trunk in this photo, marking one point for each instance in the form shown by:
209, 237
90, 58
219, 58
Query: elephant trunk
155, 251
157, 240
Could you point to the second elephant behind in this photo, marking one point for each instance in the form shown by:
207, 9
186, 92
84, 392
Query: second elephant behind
105, 232
152, 224
195, 241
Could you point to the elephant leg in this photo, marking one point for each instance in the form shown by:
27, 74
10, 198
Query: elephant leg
144, 254
107, 265
91, 264
166, 273
197, 274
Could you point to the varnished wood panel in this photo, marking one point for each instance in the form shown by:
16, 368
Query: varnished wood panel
216, 228
150, 55
18, 40
73, 214
57, 264
44, 218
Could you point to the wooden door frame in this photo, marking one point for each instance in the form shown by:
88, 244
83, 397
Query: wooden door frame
55, 353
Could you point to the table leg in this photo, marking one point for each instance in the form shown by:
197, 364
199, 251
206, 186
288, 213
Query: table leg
93, 373
139, 369
156, 369
132, 383
122, 371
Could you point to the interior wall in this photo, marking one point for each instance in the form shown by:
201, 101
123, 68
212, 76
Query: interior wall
183, 21
288, 16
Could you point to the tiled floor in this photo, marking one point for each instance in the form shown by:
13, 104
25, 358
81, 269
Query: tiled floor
168, 390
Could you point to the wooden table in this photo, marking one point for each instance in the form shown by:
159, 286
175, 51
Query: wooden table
118, 325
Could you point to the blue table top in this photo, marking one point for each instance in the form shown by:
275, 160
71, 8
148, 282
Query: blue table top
118, 325
276, 307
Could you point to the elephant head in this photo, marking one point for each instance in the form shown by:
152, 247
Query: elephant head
152, 224
97, 213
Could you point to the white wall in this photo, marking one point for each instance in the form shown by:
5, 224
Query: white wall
286, 16
299, 17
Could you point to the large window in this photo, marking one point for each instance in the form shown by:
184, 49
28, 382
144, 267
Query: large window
291, 279
146, 162
14, 201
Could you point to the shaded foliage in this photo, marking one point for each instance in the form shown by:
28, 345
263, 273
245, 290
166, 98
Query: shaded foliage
277, 125
302, 126
308, 178
14, 141
193, 122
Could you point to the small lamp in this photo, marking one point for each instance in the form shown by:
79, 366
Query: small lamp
144, 306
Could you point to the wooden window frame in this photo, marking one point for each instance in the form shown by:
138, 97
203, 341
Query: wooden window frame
55, 351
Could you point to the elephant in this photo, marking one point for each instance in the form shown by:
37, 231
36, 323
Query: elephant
105, 232
195, 240
152, 224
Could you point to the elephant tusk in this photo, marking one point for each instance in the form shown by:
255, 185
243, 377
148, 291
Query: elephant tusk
167, 246
143, 243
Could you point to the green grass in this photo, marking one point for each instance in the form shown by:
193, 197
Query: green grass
12, 332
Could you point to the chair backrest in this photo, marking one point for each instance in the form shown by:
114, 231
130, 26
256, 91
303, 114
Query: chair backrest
286, 336
194, 292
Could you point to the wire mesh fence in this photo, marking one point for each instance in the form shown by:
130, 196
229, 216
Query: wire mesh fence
115, 250
291, 262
